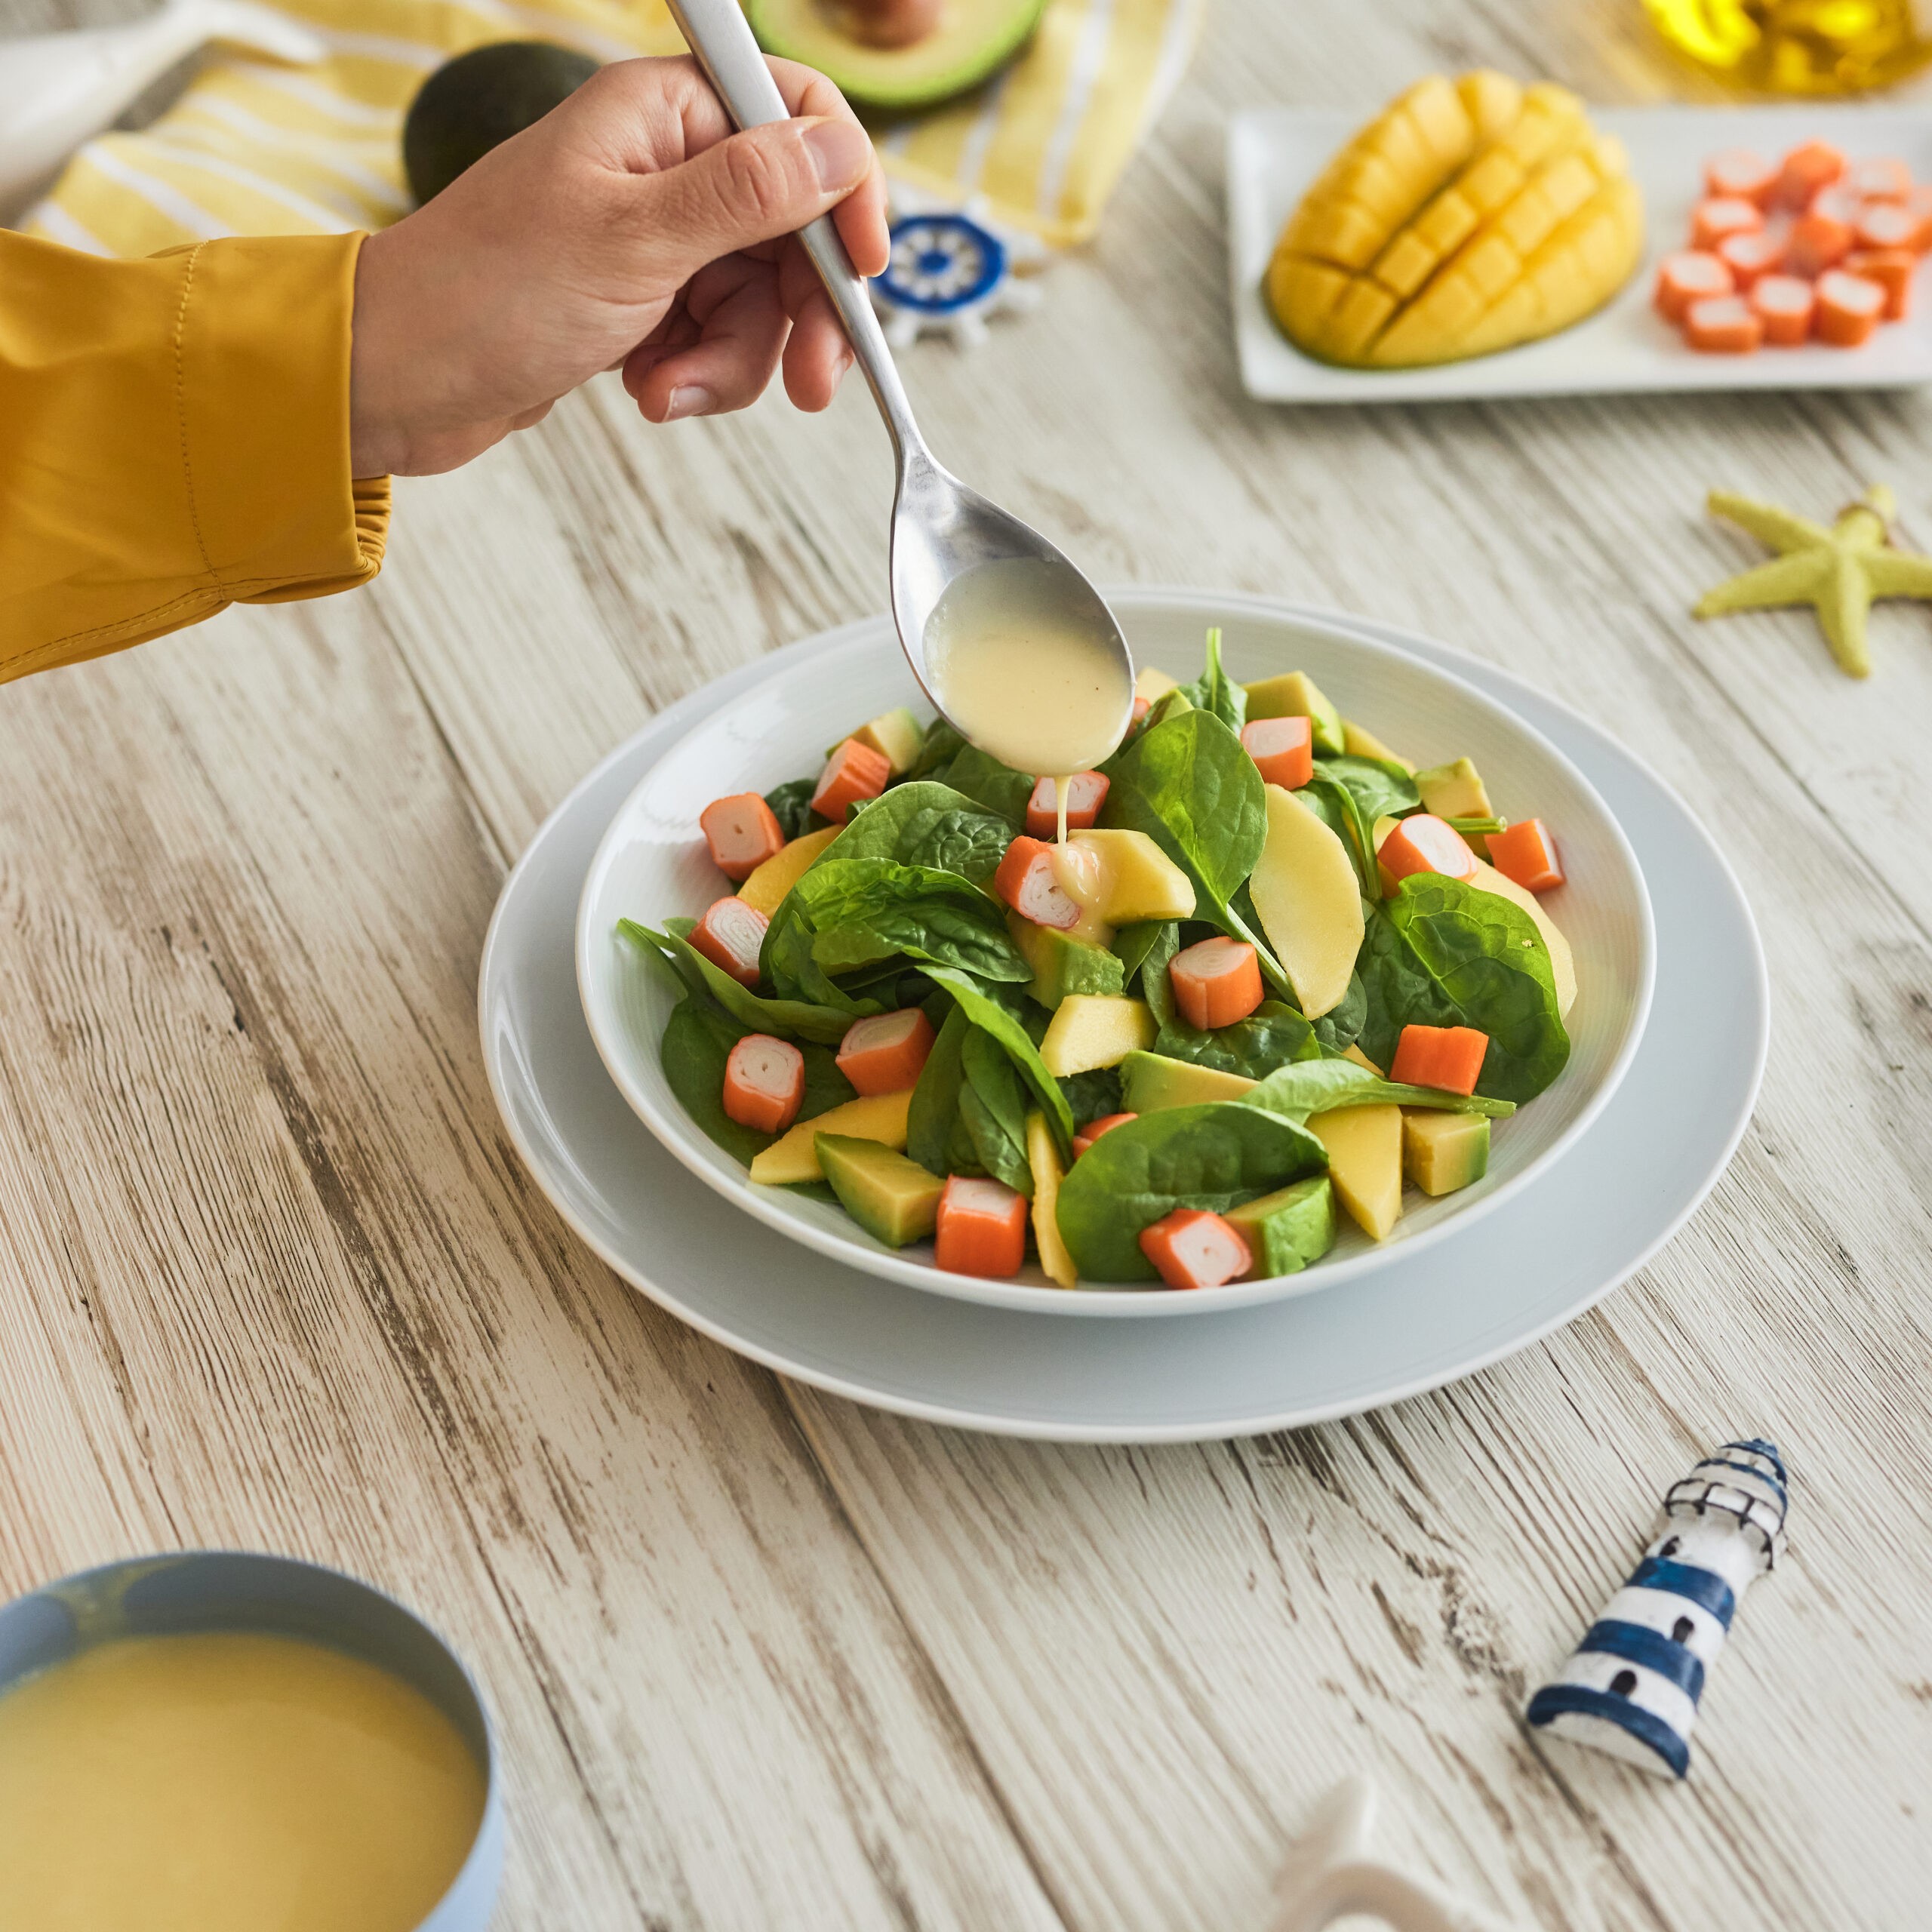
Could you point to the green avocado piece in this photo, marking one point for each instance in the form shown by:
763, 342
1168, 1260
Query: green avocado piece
970, 44
1454, 791
1288, 1229
1295, 694
1150, 1081
1442, 1152
479, 99
893, 1199
1063, 967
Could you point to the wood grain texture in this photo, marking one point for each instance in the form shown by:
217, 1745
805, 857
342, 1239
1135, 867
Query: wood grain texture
765, 1659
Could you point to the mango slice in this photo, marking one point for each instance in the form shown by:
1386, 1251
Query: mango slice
1469, 215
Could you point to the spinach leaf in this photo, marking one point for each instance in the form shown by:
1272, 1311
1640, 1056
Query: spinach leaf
1133, 943
791, 805
1338, 808
1192, 788
785, 959
988, 782
992, 1103
941, 745
1441, 953
986, 1008
1316, 1086
1272, 1036
789, 1018
698, 1040
1092, 1096
860, 911
923, 822
1169, 704
1338, 1028
936, 1136
1380, 789
1156, 988
1215, 1157
1214, 690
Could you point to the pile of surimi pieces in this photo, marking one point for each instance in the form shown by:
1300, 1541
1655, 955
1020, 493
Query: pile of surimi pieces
1811, 248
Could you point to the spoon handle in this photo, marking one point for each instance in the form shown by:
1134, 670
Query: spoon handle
718, 34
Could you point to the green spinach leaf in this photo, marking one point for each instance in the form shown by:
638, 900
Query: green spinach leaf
1156, 988
1338, 1027
1214, 690
936, 1136
1092, 1096
941, 745
1380, 789
789, 1019
1133, 943
988, 782
1441, 953
698, 1040
923, 822
1272, 1036
861, 911
1316, 1086
987, 1008
791, 805
1215, 1157
992, 1103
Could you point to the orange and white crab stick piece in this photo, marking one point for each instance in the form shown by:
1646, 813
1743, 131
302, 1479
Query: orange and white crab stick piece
1711, 221
887, 1052
731, 936
764, 1083
1739, 174
1092, 1130
1725, 325
743, 833
852, 772
1086, 793
1450, 1058
1193, 1249
1525, 851
1817, 241
1892, 269
1879, 178
1690, 276
981, 1228
1423, 843
1283, 750
1849, 309
1216, 982
1805, 170
1027, 882
1783, 304
1886, 225
1750, 255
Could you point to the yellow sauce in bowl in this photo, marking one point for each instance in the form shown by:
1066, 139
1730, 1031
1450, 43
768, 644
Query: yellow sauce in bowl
227, 1781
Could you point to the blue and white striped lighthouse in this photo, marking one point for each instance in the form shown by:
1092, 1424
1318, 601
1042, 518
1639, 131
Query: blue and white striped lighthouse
1631, 1686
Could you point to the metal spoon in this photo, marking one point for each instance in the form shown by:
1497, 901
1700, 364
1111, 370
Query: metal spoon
941, 529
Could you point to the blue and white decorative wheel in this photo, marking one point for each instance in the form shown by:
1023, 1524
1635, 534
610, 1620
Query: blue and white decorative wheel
942, 265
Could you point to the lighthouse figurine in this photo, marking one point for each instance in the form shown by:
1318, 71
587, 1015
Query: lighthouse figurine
1631, 1686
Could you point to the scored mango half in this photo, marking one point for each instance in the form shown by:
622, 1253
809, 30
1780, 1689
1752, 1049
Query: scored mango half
1469, 215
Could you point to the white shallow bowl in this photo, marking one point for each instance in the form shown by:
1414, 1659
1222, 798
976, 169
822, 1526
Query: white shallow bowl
653, 863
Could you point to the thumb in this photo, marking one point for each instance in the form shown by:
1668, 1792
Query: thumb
754, 186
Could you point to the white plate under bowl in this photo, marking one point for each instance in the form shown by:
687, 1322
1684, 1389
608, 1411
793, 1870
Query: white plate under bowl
1478, 1296
1275, 153
654, 863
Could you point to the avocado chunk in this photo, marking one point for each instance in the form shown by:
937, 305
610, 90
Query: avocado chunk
1288, 1229
1442, 1152
1295, 694
1150, 1081
1454, 791
893, 1199
477, 100
1064, 967
897, 735
970, 44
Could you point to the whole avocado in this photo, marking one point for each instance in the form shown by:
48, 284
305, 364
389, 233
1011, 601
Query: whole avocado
472, 102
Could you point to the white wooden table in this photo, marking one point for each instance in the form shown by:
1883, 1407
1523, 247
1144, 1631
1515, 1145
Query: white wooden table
271, 1276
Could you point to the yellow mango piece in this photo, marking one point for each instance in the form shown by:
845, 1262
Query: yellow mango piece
1469, 215
1364, 1147
793, 1156
1151, 684
767, 887
1354, 1053
1358, 743
1089, 1031
1042, 1158
1134, 878
1307, 897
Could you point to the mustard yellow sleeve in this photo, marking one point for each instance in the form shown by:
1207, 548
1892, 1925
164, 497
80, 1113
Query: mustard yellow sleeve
173, 439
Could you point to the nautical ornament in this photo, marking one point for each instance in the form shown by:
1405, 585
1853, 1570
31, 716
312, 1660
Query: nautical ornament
1632, 1685
948, 272
1330, 1874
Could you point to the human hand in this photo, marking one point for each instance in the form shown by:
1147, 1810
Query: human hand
629, 227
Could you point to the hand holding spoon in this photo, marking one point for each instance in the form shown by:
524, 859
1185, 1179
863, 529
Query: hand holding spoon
1010, 642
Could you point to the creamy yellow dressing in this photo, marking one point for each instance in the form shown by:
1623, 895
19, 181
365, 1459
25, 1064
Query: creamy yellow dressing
1082, 872
1020, 675
228, 1782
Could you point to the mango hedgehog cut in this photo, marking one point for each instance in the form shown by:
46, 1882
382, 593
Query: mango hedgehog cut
1469, 215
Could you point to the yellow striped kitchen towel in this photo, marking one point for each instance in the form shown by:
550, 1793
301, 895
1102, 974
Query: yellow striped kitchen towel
253, 147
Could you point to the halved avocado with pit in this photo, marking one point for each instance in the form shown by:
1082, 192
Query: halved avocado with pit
974, 40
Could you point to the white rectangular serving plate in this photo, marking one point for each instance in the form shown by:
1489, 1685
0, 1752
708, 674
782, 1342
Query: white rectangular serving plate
1275, 153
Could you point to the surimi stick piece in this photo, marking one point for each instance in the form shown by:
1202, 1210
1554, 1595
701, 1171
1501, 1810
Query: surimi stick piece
1892, 269
1422, 843
1837, 203
743, 833
981, 1229
1450, 1058
1283, 750
1818, 242
1725, 325
731, 936
1028, 883
1525, 852
1738, 173
1919, 203
1712, 221
1805, 170
1749, 255
1783, 304
1216, 982
1092, 1131
1888, 225
852, 772
887, 1052
1849, 308
1689, 276
1193, 1249
1086, 793
764, 1083
1879, 178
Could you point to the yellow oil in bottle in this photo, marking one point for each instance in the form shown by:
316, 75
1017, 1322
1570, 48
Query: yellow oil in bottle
1801, 46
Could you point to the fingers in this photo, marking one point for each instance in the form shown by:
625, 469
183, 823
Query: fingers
724, 353
817, 354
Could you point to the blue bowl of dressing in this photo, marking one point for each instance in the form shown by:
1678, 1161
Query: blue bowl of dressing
206, 1592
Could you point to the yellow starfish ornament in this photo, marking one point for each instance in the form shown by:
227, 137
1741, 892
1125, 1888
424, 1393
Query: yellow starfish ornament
1838, 571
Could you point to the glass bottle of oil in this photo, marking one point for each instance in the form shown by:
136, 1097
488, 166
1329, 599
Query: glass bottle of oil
1801, 46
